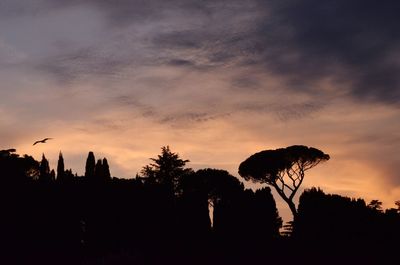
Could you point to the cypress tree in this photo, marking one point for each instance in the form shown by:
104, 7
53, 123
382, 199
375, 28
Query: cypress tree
90, 165
60, 168
98, 171
52, 175
44, 169
106, 169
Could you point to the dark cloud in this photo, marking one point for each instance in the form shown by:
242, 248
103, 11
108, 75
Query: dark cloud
172, 118
144, 110
123, 12
353, 41
11, 8
92, 61
180, 62
354, 44
187, 117
190, 39
284, 112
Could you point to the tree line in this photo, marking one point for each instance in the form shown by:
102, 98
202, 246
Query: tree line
170, 213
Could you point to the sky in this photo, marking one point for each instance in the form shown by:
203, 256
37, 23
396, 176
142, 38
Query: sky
217, 81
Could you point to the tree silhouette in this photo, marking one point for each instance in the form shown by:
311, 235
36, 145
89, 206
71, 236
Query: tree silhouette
266, 216
283, 168
68, 174
397, 203
44, 169
167, 169
331, 218
7, 152
217, 188
14, 169
238, 215
90, 165
60, 168
140, 221
375, 205
98, 170
101, 170
106, 169
52, 175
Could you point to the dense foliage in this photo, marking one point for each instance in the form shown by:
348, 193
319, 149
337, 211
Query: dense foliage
171, 214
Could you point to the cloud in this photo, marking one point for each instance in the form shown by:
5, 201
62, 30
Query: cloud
355, 43
180, 62
86, 62
157, 47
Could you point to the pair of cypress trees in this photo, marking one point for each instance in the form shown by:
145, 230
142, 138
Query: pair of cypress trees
97, 171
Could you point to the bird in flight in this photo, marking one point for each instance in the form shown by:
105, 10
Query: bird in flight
42, 141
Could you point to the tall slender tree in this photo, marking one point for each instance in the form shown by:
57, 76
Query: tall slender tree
90, 165
98, 171
52, 175
60, 168
106, 169
44, 169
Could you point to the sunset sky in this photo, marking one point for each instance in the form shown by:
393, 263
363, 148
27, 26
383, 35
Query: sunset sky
215, 80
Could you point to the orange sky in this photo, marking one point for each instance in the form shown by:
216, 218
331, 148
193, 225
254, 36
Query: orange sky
354, 170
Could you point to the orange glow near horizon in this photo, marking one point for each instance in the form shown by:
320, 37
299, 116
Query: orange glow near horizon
221, 143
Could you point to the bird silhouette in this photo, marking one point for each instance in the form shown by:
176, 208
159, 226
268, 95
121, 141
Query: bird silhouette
42, 141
